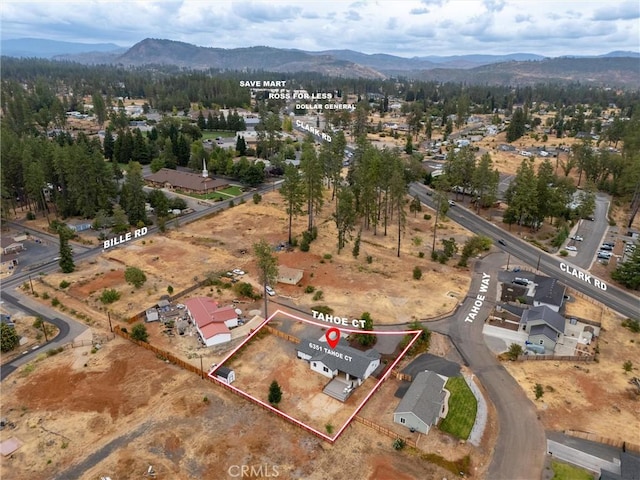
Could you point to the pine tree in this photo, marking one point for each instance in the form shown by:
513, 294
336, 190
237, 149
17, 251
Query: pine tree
275, 393
267, 267
66, 254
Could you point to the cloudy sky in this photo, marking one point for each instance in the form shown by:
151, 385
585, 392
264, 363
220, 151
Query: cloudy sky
398, 27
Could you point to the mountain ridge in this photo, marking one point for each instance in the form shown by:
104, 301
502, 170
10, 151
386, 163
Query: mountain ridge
614, 68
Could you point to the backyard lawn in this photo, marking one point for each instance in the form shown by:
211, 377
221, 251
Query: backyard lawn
564, 471
462, 409
206, 135
225, 194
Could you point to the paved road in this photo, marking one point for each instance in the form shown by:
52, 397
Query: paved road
519, 451
69, 329
551, 265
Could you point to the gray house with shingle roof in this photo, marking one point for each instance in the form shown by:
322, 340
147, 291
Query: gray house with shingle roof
544, 326
549, 292
424, 403
355, 366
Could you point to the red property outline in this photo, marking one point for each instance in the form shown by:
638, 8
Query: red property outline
291, 419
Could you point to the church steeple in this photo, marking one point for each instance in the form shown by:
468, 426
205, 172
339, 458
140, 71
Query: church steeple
205, 173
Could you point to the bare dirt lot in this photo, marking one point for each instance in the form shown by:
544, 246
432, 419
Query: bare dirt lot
155, 413
384, 287
593, 397
121, 409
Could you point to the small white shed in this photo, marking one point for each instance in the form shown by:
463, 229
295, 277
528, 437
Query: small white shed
226, 375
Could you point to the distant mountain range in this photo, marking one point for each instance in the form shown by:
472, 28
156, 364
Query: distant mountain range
613, 69
39, 48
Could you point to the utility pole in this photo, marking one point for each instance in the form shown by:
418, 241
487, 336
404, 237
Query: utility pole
435, 225
44, 329
31, 283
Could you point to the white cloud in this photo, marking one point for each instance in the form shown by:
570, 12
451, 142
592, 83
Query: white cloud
401, 27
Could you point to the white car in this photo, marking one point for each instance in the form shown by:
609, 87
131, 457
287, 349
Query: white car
237, 271
577, 238
270, 291
571, 248
452, 203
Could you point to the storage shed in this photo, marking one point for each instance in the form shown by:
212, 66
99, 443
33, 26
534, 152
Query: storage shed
290, 276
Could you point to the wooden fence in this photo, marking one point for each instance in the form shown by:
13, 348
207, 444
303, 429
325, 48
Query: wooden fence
163, 354
385, 431
560, 358
627, 446
281, 334
401, 376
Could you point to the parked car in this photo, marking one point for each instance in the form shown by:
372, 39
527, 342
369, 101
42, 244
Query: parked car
270, 291
605, 255
237, 271
609, 244
571, 248
452, 203
606, 247
577, 238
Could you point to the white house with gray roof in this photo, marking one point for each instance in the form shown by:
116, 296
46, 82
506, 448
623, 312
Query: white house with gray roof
424, 403
351, 365
544, 326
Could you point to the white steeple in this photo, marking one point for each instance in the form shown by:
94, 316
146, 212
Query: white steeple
205, 173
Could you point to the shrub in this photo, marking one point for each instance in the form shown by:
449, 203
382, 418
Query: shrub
64, 284
31, 215
420, 254
399, 444
627, 366
109, 295
329, 428
324, 309
309, 289
170, 290
426, 216
245, 289
327, 256
515, 350
632, 324
417, 273
257, 198
54, 301
369, 259
563, 253
304, 245
539, 391
45, 296
318, 295
139, 332
135, 276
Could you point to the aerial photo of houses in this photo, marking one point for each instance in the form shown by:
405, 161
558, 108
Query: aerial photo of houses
300, 240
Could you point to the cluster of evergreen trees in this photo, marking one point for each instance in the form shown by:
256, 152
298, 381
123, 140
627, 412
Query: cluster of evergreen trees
214, 121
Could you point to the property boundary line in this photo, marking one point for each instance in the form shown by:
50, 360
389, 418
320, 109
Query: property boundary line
213, 378
295, 421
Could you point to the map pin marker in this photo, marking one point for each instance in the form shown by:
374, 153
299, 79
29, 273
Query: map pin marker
333, 337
